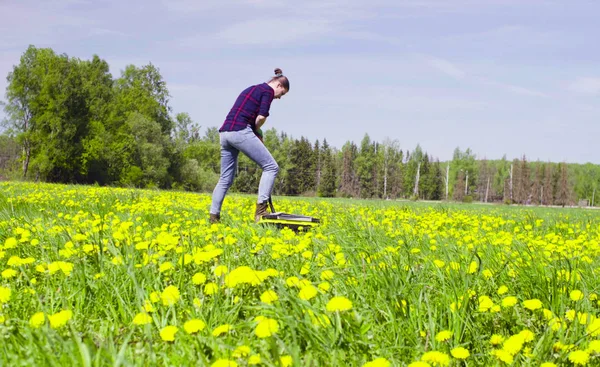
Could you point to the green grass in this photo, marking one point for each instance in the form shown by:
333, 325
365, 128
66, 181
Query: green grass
410, 270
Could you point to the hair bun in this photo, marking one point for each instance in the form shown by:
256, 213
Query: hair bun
278, 72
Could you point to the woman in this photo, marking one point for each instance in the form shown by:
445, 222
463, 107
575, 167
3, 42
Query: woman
241, 132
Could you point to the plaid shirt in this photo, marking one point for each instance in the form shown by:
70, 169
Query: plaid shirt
253, 101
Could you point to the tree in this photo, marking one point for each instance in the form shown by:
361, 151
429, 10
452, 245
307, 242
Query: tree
349, 182
327, 184
459, 187
366, 168
149, 164
23, 95
389, 151
563, 196
547, 190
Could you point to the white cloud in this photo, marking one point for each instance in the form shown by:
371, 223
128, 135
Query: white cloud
445, 67
274, 32
585, 86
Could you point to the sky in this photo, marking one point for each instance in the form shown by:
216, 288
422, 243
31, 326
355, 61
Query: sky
501, 77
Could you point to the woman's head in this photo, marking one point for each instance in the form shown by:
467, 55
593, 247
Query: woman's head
279, 83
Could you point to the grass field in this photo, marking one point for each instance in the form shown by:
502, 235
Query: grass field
117, 277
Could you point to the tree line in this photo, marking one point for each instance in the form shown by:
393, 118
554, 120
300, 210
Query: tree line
69, 120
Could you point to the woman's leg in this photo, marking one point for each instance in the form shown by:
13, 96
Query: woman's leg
256, 151
229, 156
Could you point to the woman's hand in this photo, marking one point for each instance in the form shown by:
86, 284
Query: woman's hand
260, 121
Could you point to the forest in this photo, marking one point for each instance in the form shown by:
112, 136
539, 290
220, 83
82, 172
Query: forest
70, 121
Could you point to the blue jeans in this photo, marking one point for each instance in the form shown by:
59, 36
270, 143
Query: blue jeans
232, 143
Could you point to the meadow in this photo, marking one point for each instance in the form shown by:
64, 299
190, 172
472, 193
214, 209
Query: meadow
95, 276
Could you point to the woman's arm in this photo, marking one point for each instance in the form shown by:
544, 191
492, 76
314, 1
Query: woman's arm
260, 121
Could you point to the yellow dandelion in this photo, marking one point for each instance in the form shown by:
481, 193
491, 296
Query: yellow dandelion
285, 361
327, 275
170, 295
37, 320
532, 304
211, 288
142, 318
268, 297
9, 273
419, 364
579, 357
436, 358
224, 363
378, 362
266, 327
460, 353
193, 326
443, 335
576, 295
199, 278
220, 270
60, 319
168, 333
339, 304
5, 294
222, 329
308, 292
254, 359
509, 301
241, 351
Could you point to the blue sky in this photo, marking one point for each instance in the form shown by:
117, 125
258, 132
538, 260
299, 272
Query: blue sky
500, 77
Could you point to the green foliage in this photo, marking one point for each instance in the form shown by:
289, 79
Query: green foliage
72, 121
196, 178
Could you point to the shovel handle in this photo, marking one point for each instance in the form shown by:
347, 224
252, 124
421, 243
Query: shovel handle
271, 205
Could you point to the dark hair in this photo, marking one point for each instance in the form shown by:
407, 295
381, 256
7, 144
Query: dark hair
281, 79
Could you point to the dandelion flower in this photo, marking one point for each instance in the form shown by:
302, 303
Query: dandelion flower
436, 358
327, 275
308, 292
9, 273
4, 294
268, 297
509, 301
285, 361
220, 330
266, 327
532, 304
168, 333
419, 364
220, 270
170, 295
211, 288
339, 304
444, 335
254, 359
142, 318
576, 295
193, 326
378, 362
37, 320
485, 303
579, 357
199, 278
460, 353
241, 351
60, 319
224, 363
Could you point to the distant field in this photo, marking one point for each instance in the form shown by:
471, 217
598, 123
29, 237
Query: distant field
101, 276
